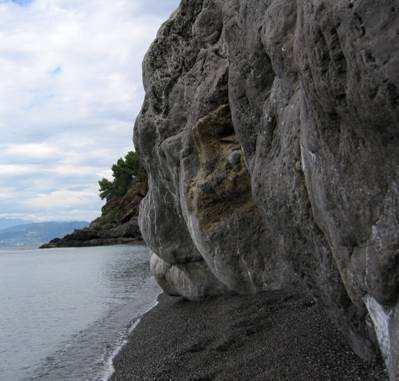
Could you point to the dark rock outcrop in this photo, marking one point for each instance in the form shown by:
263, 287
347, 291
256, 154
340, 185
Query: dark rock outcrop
118, 223
270, 136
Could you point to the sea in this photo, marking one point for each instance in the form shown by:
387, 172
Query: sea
65, 313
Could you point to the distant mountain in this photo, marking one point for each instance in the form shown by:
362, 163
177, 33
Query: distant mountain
10, 222
35, 234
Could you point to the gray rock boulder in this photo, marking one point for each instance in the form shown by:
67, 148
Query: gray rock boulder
270, 136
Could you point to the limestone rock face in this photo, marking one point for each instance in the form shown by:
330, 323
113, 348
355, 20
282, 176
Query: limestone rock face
270, 136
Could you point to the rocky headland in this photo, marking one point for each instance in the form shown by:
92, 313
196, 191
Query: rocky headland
269, 133
117, 225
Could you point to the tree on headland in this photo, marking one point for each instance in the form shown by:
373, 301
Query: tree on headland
105, 188
124, 172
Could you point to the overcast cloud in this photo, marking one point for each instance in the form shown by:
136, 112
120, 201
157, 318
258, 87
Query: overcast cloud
70, 88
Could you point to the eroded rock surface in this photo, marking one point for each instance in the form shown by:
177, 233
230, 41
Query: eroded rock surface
270, 136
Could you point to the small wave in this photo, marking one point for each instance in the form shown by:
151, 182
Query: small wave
109, 368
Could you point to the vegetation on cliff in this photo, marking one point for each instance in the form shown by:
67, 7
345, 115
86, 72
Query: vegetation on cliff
118, 223
124, 171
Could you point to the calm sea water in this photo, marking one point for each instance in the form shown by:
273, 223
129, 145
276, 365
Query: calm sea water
64, 312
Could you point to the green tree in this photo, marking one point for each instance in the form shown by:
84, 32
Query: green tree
132, 162
105, 188
123, 172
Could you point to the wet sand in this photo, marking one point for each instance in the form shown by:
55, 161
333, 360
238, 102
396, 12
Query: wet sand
272, 336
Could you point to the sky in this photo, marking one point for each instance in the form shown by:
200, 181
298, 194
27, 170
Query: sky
70, 89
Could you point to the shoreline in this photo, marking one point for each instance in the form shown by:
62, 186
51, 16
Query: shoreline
109, 370
282, 335
92, 243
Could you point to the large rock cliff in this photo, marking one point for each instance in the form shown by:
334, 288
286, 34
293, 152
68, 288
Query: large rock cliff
270, 136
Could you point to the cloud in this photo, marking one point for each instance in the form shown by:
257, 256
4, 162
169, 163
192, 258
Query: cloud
13, 170
32, 150
71, 87
62, 199
7, 193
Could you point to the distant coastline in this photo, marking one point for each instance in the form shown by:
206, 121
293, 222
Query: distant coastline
73, 242
32, 235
